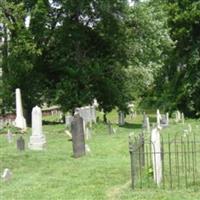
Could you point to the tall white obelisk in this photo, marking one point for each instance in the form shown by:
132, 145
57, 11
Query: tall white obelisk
20, 121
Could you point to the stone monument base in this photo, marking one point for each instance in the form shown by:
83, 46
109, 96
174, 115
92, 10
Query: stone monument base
20, 122
37, 142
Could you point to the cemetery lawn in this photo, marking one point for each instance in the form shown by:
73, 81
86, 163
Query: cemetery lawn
54, 174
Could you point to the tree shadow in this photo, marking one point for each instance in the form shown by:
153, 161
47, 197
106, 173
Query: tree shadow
152, 119
44, 122
132, 126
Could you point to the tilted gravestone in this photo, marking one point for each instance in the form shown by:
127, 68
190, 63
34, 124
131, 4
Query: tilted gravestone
78, 139
20, 144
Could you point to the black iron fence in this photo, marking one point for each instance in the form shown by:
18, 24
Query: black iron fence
179, 162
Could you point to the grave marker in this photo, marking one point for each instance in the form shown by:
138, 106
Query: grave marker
156, 155
78, 139
37, 139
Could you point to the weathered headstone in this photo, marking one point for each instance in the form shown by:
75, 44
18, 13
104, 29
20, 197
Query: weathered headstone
9, 136
7, 175
68, 120
78, 139
37, 139
164, 121
121, 118
20, 144
156, 156
20, 121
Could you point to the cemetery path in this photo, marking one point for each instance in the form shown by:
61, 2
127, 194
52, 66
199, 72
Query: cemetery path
114, 192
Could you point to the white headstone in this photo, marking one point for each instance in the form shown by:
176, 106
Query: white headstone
6, 176
9, 136
158, 117
156, 156
87, 148
148, 124
20, 121
189, 128
37, 139
167, 118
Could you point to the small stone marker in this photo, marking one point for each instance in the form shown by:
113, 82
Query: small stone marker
37, 139
156, 155
9, 136
7, 175
87, 148
20, 144
78, 139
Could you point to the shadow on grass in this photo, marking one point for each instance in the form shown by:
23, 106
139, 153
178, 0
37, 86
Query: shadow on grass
51, 122
152, 119
132, 126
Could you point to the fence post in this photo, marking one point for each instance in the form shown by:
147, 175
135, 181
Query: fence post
142, 150
131, 151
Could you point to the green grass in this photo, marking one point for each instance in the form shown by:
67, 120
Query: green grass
53, 174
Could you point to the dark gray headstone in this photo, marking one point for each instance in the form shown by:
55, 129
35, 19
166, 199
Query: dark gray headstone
78, 139
20, 144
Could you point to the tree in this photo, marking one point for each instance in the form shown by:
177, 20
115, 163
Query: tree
149, 47
71, 52
180, 76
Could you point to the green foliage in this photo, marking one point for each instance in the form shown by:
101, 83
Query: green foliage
72, 52
180, 76
149, 44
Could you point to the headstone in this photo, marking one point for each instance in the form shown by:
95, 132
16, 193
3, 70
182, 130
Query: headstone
167, 118
7, 175
20, 144
189, 128
121, 118
68, 120
158, 117
95, 103
156, 155
88, 134
9, 136
37, 139
20, 121
163, 121
78, 139
146, 123
178, 116
87, 148
110, 129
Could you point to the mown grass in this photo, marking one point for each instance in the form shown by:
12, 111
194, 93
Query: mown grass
53, 174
